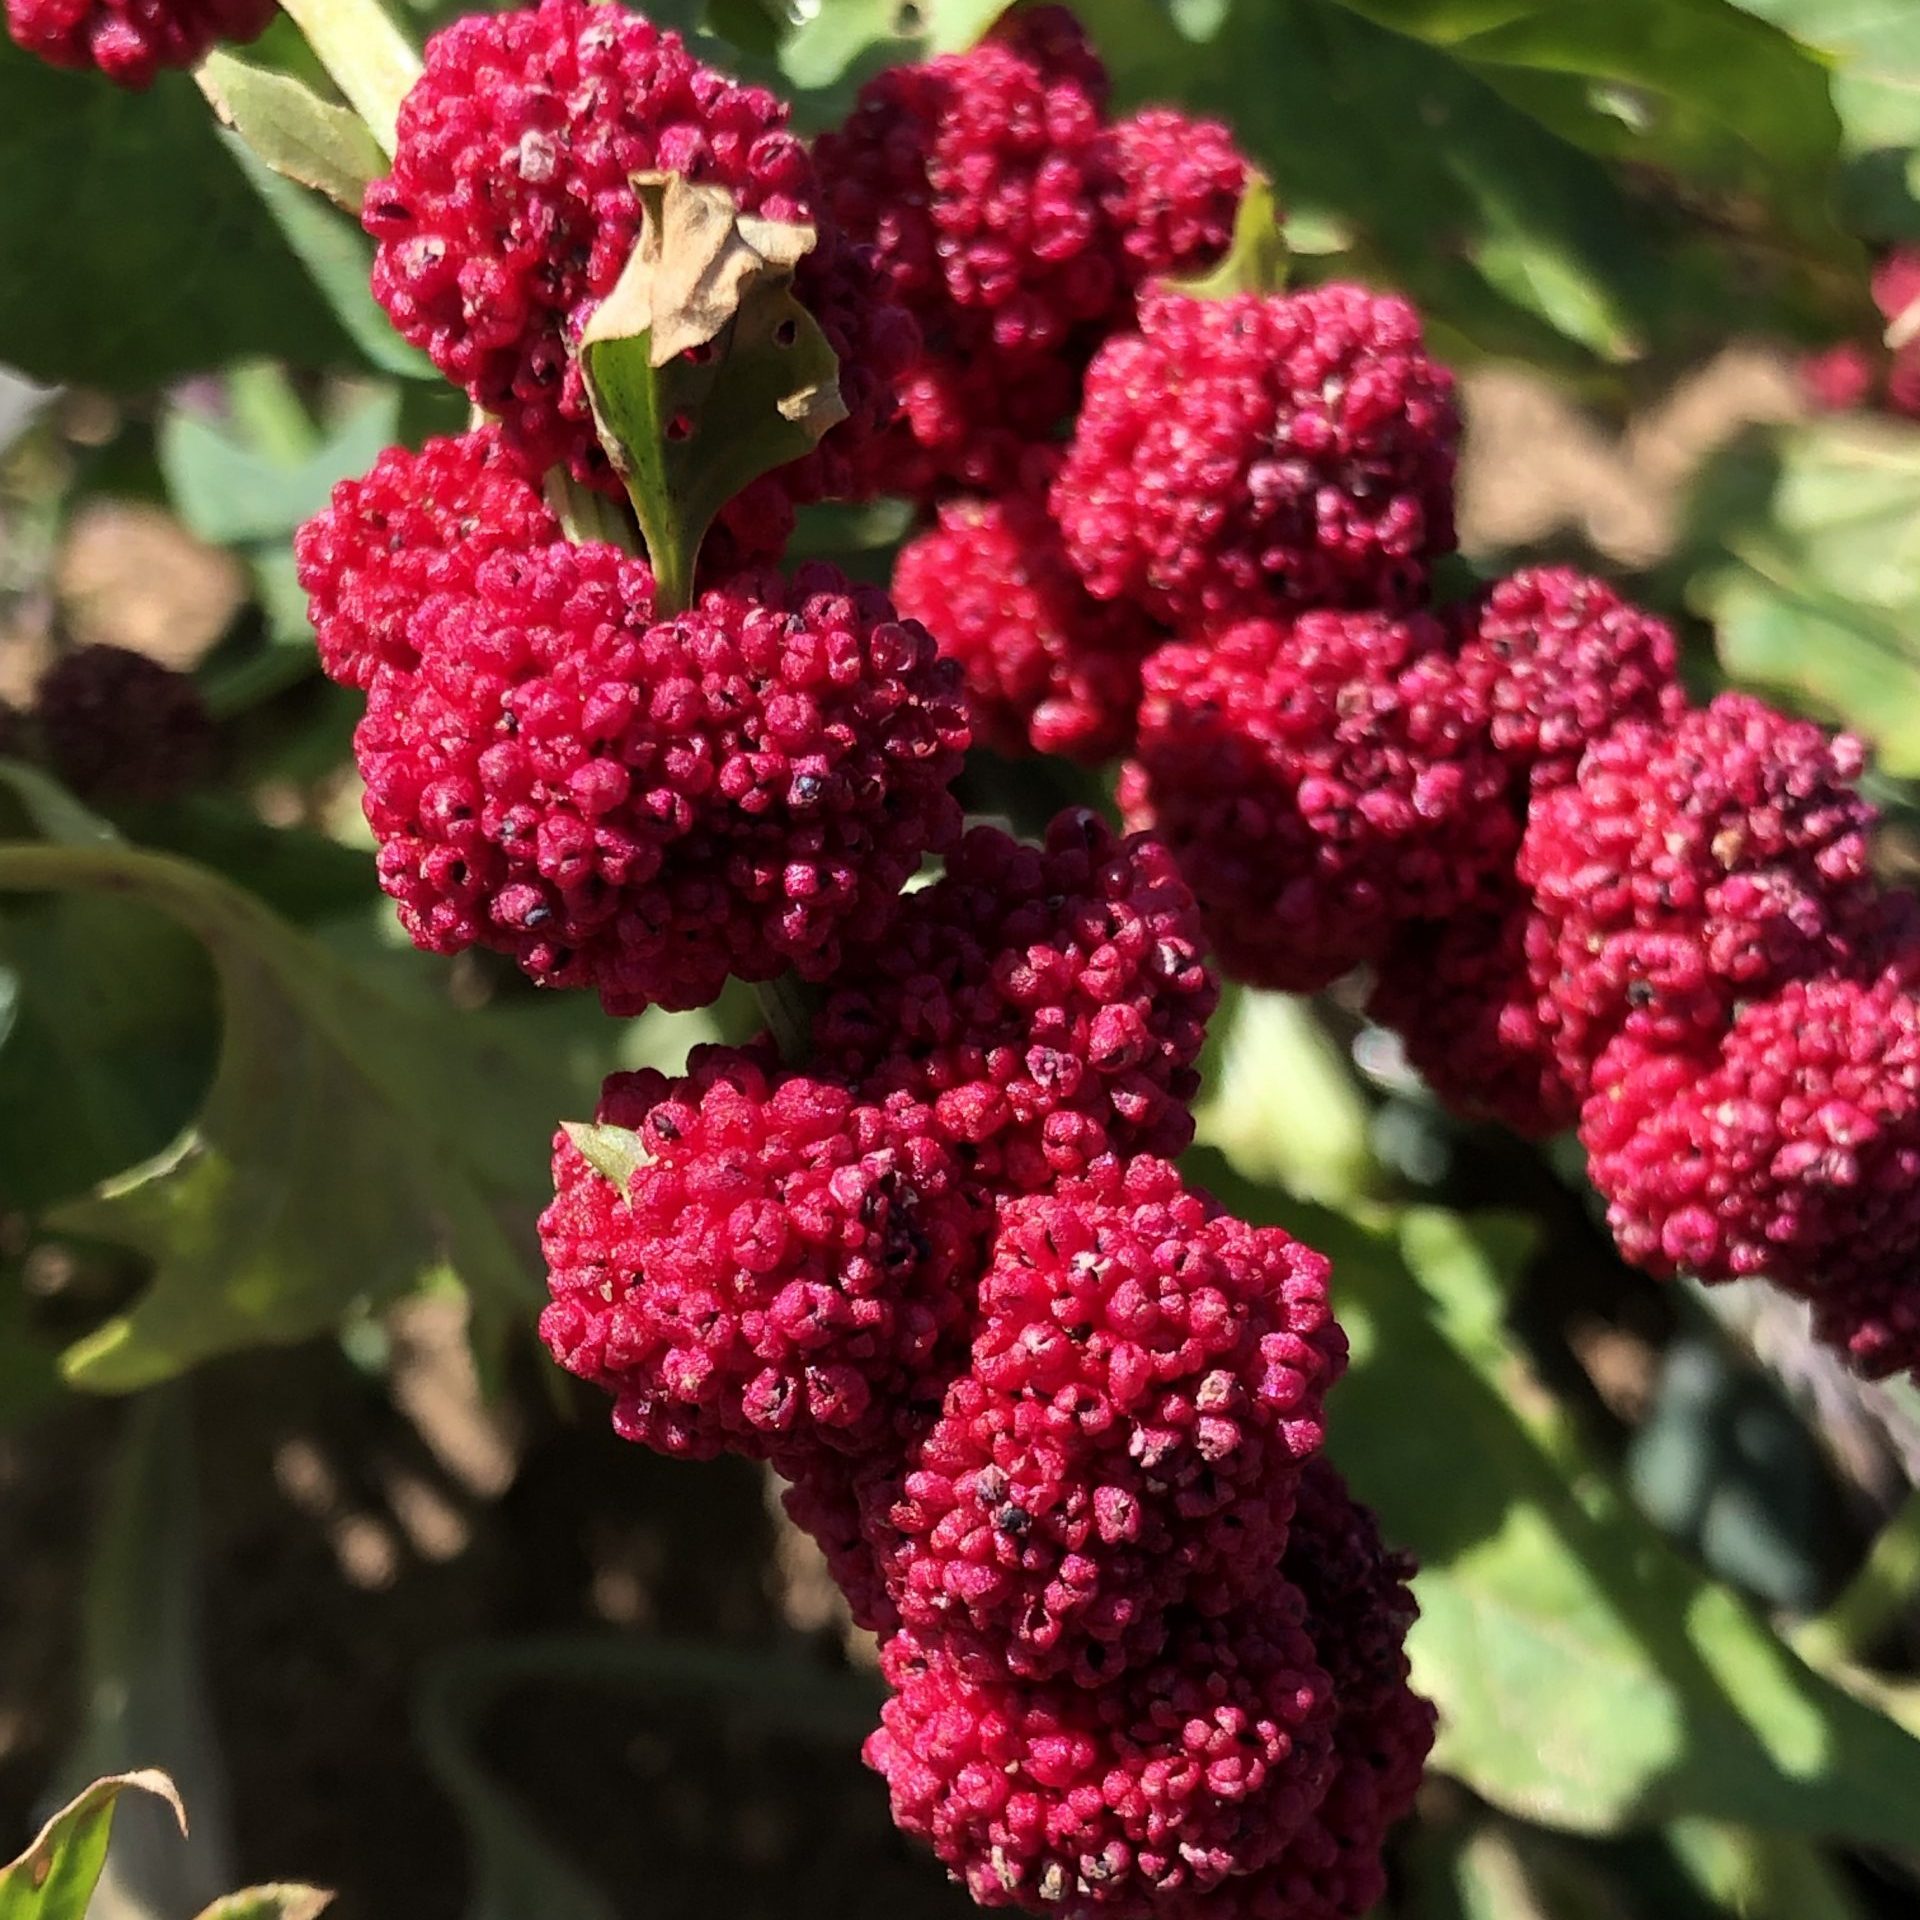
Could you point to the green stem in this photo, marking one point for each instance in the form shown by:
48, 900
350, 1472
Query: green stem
783, 1005
369, 59
1874, 1600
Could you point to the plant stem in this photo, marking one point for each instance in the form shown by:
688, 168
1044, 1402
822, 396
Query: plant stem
370, 60
783, 1005
1884, 1589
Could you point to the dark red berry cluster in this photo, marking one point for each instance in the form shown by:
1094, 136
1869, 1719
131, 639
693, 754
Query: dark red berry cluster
115, 725
1050, 1412
130, 41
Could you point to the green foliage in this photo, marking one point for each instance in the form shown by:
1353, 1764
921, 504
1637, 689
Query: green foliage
130, 249
292, 130
704, 370
55, 1878
1541, 1583
1803, 550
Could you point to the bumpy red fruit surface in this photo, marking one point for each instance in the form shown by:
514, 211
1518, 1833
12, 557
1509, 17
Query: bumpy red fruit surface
789, 1268
509, 214
1049, 1002
1795, 1155
1465, 998
129, 41
1146, 1380
415, 525
1049, 669
1109, 1800
1692, 866
1173, 188
1358, 1611
1321, 780
1239, 452
117, 725
1557, 659
977, 178
646, 807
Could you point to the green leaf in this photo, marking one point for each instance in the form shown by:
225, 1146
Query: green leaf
704, 370
231, 490
1588, 1677
145, 1690
292, 130
614, 1153
366, 56
1803, 550
1257, 261
130, 250
29, 1372
108, 1025
352, 1145
270, 1903
1472, 182
338, 257
839, 38
1762, 1876
54, 1879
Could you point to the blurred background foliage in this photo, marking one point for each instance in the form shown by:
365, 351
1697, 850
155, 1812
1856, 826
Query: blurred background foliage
288, 1502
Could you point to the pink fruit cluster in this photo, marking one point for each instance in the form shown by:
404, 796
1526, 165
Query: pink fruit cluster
1855, 373
1050, 1411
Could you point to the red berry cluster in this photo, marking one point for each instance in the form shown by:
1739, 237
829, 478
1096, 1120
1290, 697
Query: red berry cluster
130, 41
1053, 1415
1051, 1412
1016, 222
1581, 899
115, 725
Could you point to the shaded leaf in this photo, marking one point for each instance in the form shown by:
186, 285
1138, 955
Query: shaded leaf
145, 1687
351, 1143
292, 130
1587, 1676
108, 1027
130, 249
516, 1873
55, 1878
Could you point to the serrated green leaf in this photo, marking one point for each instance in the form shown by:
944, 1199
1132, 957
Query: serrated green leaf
1588, 1677
703, 368
130, 250
55, 1878
292, 130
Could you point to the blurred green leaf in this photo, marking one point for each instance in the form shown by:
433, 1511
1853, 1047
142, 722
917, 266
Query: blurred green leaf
351, 1143
145, 1690
302, 874
1874, 48
29, 1370
55, 1878
270, 1903
1279, 1100
338, 257
232, 489
850, 37
1803, 550
1762, 1876
1587, 1676
130, 249
108, 1026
